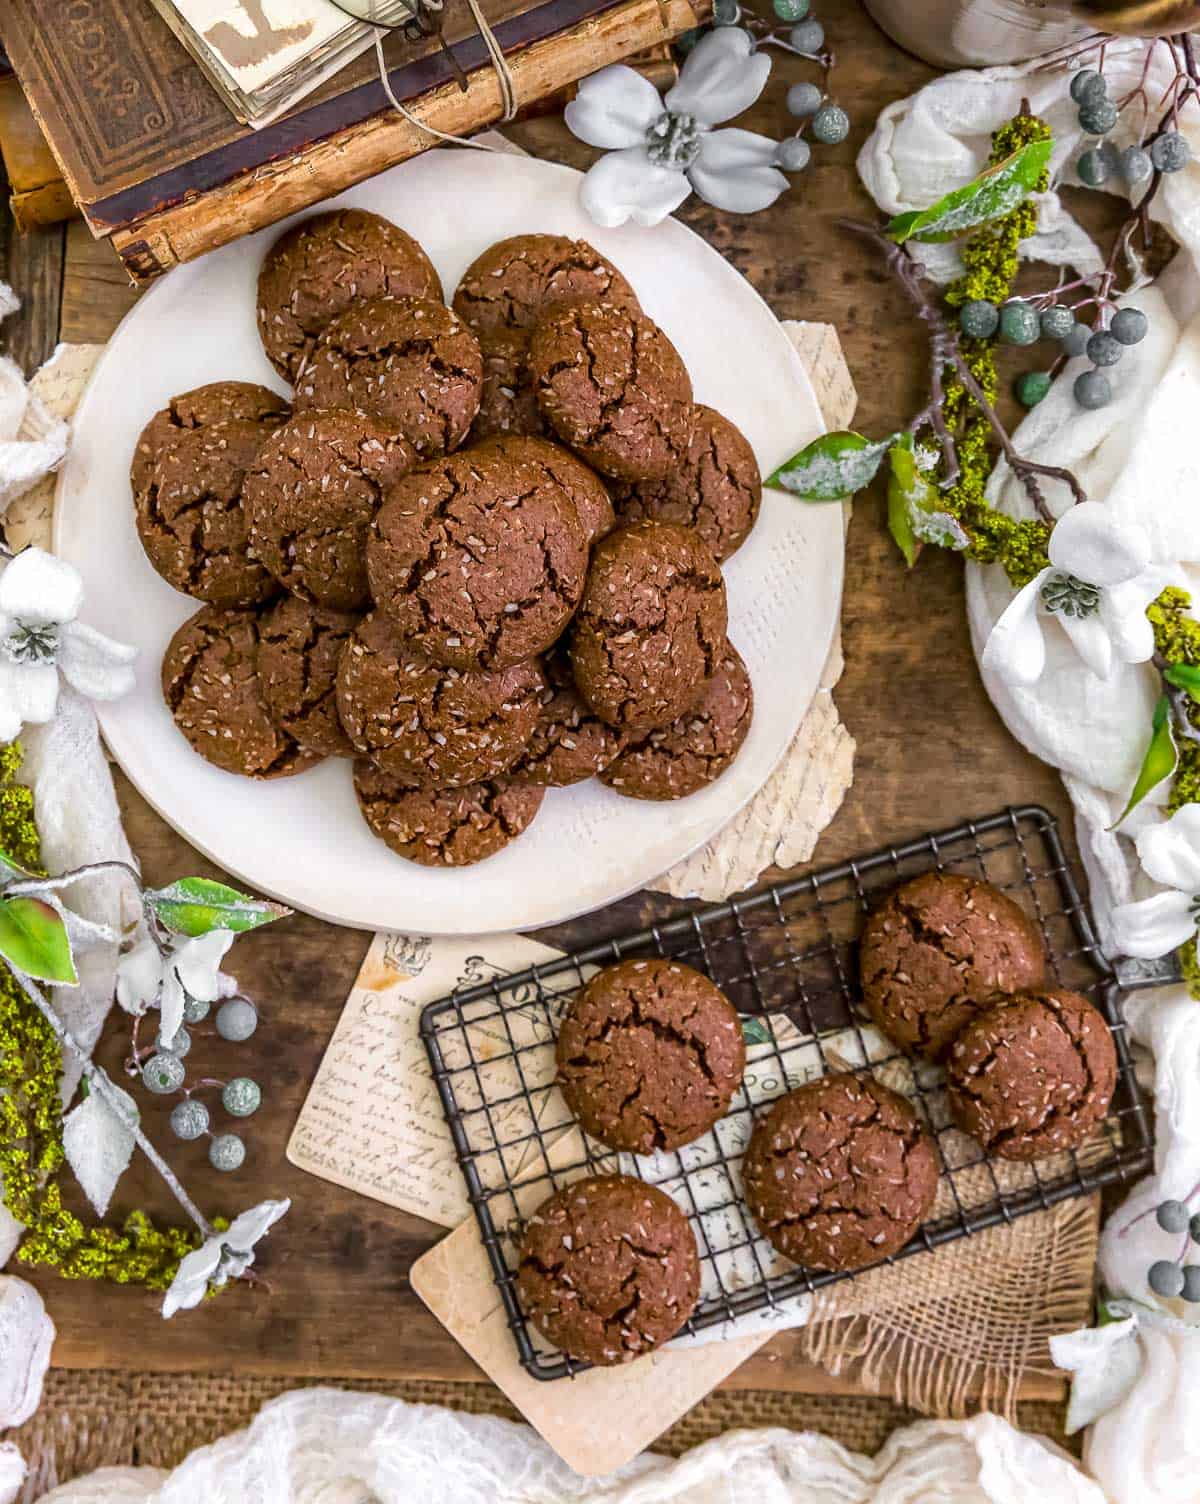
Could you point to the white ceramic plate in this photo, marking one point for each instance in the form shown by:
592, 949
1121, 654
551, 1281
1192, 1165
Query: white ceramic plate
302, 839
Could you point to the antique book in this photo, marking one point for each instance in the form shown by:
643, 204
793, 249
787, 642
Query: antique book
155, 160
262, 56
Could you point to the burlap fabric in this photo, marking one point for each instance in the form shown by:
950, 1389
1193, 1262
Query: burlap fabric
103, 1418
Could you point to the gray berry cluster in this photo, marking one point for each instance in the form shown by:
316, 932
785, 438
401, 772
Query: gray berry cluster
1018, 322
1168, 150
1172, 1279
164, 1074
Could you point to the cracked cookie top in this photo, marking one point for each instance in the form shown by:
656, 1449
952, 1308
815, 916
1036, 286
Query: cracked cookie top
650, 1054
517, 282
613, 386
582, 485
608, 1269
191, 518
310, 497
714, 486
693, 751
650, 629
1032, 1075
213, 403
936, 951
315, 270
428, 726
444, 827
298, 651
211, 685
409, 360
840, 1173
568, 744
477, 560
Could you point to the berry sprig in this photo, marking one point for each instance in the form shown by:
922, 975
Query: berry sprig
802, 35
163, 1072
1173, 1279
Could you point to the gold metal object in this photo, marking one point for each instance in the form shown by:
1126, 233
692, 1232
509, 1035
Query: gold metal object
1145, 18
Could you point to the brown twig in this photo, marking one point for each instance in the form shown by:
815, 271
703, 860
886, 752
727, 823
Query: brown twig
945, 353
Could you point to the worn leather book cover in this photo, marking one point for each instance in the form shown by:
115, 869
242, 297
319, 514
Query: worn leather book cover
136, 127
37, 193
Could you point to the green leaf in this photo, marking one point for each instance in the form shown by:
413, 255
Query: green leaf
197, 905
831, 468
1184, 676
914, 515
1159, 762
34, 938
993, 194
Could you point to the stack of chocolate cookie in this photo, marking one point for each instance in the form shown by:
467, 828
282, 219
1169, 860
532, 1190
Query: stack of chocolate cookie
479, 551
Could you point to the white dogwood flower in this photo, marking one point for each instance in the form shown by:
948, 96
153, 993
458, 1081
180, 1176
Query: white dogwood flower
40, 597
1096, 589
191, 968
225, 1256
662, 149
1169, 853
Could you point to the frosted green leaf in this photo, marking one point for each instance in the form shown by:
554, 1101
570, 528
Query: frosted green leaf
11, 870
914, 516
992, 195
197, 905
940, 528
1160, 761
831, 468
1184, 676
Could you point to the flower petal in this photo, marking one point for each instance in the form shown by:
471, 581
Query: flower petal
1015, 652
614, 108
29, 690
190, 1284
171, 1002
197, 963
722, 76
1170, 851
736, 171
97, 666
1093, 545
1123, 611
252, 1226
37, 587
627, 185
1155, 926
139, 977
1090, 639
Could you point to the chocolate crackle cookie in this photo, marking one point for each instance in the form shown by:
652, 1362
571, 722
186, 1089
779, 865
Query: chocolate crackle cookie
649, 1055
478, 560
517, 282
613, 387
569, 744
298, 651
582, 485
650, 629
214, 403
608, 1269
507, 401
693, 751
937, 950
1032, 1075
444, 827
316, 270
714, 486
310, 498
433, 727
211, 685
409, 360
840, 1173
191, 518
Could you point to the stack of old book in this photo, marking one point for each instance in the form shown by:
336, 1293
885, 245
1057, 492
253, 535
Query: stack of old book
144, 131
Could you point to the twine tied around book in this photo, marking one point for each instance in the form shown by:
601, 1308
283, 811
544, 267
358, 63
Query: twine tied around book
508, 90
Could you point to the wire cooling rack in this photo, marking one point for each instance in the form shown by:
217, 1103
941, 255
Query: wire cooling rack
786, 956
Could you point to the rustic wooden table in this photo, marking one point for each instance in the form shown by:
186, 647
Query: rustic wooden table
931, 750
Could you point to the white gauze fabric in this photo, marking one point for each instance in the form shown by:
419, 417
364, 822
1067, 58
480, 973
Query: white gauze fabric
323, 1446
